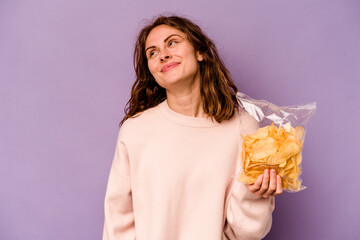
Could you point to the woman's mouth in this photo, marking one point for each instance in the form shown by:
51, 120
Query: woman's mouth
169, 66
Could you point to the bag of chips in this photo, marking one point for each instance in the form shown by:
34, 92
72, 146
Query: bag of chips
278, 142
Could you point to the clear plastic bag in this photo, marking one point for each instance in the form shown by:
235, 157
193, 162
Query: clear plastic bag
278, 142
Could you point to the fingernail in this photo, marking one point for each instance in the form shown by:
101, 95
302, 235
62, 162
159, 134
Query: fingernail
273, 171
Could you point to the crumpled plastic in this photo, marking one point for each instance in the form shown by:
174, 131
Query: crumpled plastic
278, 142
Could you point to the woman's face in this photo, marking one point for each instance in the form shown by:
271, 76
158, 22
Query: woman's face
172, 60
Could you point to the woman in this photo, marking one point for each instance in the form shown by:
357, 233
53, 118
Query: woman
177, 159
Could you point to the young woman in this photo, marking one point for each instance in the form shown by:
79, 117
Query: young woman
178, 154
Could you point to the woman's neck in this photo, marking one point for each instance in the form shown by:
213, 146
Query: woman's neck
186, 102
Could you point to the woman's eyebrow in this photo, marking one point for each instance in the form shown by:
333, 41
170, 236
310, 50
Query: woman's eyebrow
165, 40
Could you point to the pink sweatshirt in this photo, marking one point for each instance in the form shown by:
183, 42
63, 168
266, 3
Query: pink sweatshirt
174, 177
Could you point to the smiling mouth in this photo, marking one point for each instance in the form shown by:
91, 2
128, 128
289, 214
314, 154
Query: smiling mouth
169, 66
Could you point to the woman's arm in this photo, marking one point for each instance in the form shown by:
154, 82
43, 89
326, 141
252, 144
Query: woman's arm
248, 216
119, 216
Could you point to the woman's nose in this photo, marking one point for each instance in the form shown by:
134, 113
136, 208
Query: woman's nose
165, 55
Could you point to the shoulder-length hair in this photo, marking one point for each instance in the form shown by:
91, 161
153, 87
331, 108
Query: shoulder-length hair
217, 89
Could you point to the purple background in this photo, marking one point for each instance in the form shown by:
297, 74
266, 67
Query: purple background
66, 72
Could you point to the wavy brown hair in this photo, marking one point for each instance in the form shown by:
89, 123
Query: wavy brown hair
217, 89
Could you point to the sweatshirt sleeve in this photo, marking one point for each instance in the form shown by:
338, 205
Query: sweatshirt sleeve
119, 216
247, 216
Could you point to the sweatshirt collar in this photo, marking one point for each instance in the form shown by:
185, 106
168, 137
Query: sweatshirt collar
187, 121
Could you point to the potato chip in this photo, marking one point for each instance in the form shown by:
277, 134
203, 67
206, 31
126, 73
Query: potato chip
263, 149
273, 147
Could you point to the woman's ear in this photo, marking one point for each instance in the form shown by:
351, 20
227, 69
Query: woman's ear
199, 56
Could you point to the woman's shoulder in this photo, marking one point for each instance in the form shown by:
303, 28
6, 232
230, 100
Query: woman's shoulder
142, 120
248, 123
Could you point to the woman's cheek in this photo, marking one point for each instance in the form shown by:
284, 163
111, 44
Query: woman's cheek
151, 69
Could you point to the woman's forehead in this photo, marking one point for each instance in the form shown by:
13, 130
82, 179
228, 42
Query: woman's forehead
158, 34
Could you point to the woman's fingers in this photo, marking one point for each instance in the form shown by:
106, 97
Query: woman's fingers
279, 189
267, 184
257, 184
264, 184
271, 186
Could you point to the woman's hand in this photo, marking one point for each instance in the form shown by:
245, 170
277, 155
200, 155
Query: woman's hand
268, 184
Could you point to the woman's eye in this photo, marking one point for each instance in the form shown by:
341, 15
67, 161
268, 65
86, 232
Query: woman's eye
172, 42
152, 53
